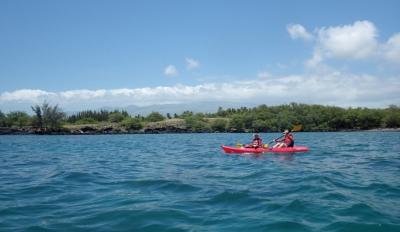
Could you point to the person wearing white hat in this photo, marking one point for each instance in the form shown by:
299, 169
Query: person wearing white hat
286, 141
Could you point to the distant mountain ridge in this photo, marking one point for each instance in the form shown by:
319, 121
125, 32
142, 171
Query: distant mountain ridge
203, 107
198, 107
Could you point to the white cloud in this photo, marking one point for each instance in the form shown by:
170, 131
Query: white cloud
356, 41
297, 31
392, 49
315, 60
83, 94
33, 95
171, 71
320, 85
192, 63
331, 87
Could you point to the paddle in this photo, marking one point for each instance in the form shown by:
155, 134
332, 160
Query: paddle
295, 128
275, 139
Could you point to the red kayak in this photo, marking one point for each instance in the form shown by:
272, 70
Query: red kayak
228, 149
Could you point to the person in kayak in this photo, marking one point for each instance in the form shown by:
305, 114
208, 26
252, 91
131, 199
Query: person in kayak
256, 143
286, 141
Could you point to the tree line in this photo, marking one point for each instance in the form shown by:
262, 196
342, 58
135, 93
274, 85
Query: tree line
311, 117
259, 119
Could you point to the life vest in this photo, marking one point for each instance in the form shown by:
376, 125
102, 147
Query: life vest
257, 142
289, 140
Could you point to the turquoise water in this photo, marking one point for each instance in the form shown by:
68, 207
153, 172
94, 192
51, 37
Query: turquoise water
183, 182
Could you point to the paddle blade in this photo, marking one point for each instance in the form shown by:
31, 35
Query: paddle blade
297, 128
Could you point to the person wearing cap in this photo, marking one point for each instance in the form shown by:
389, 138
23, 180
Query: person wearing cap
256, 143
286, 141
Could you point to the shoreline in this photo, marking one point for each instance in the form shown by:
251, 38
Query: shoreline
30, 131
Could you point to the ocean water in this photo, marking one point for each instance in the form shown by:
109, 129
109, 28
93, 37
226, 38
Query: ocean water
184, 182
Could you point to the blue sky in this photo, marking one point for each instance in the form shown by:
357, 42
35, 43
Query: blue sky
117, 53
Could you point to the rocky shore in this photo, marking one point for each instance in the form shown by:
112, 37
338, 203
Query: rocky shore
163, 127
166, 126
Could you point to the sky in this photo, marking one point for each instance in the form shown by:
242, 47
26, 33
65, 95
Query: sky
95, 53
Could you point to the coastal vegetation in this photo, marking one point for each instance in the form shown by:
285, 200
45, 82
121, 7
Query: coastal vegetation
51, 119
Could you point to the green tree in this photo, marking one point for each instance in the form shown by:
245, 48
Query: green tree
369, 119
54, 117
196, 123
236, 123
248, 119
132, 123
219, 125
260, 126
38, 118
18, 119
98, 116
337, 120
201, 126
186, 114
86, 121
392, 117
116, 116
2, 119
155, 117
221, 112
49, 117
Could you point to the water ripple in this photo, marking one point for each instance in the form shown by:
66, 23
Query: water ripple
185, 183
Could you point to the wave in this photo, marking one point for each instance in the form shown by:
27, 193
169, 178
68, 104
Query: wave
356, 226
361, 212
233, 197
95, 184
162, 185
283, 226
78, 177
161, 219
